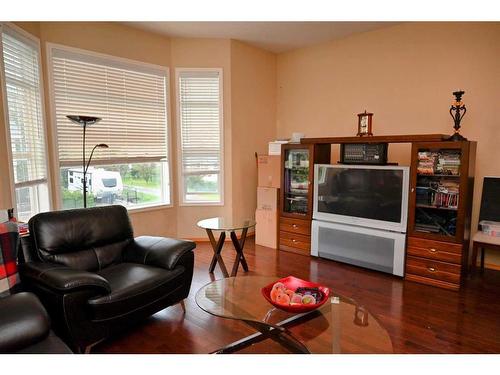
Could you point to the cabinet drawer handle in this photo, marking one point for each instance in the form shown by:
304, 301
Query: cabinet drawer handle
432, 250
294, 240
431, 269
295, 226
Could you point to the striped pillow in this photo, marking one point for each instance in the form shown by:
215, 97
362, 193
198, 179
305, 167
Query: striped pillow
9, 241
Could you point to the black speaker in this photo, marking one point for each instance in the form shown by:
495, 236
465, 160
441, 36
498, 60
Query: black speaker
490, 200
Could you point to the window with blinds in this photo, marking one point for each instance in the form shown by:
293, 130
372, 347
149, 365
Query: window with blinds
199, 102
131, 99
22, 88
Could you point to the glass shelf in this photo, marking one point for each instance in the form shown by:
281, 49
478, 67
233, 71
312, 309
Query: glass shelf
300, 193
438, 175
296, 184
436, 207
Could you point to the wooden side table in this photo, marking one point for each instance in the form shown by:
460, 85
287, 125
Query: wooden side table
225, 225
482, 241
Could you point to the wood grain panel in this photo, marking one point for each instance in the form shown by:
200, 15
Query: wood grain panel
295, 240
432, 282
295, 250
291, 225
433, 269
406, 138
436, 245
435, 254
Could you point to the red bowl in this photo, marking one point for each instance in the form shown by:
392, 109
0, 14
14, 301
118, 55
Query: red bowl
293, 283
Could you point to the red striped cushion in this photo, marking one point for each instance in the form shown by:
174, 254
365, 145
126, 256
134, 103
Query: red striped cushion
9, 239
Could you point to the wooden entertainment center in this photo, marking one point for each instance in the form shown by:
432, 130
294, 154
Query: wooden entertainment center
439, 205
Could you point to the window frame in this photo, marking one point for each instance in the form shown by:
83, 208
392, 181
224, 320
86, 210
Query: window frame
119, 62
180, 173
34, 41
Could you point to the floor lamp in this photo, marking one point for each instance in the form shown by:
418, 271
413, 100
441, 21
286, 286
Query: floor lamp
85, 121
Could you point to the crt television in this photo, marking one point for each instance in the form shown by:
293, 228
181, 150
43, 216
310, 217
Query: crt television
368, 196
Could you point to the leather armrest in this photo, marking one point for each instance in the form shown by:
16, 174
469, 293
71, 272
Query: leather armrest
61, 278
23, 322
157, 251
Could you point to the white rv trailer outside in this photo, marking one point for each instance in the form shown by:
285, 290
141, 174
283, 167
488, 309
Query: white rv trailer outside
100, 182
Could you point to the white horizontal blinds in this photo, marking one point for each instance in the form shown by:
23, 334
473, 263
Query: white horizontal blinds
200, 121
22, 83
130, 99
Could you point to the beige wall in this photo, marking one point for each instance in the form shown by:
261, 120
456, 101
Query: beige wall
405, 75
239, 146
116, 40
253, 92
113, 39
31, 27
249, 76
204, 53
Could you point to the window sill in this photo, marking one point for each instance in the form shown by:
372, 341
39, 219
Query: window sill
155, 207
201, 204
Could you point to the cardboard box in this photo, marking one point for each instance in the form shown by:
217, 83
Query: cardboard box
269, 171
267, 198
266, 230
274, 148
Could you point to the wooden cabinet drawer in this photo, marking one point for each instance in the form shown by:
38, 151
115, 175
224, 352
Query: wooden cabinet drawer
436, 245
433, 269
295, 226
298, 241
434, 253
433, 282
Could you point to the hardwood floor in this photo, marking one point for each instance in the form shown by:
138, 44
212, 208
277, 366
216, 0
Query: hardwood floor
419, 318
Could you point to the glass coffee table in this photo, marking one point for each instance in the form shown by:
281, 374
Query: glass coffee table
339, 326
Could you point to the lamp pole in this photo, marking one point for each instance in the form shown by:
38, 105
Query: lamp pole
86, 168
84, 121
83, 168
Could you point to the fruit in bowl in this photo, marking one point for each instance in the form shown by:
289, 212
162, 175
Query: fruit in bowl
282, 299
295, 295
308, 300
282, 296
279, 286
296, 299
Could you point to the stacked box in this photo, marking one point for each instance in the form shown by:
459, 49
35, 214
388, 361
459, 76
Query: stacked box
267, 213
268, 171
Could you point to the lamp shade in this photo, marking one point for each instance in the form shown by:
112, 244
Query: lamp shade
84, 120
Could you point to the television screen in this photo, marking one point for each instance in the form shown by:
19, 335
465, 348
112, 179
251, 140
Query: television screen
365, 193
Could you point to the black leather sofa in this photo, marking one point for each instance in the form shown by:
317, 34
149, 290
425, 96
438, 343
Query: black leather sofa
25, 327
95, 278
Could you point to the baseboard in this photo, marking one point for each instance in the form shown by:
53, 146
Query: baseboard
492, 266
205, 239
489, 266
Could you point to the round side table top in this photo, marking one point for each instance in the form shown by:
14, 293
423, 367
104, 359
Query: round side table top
222, 223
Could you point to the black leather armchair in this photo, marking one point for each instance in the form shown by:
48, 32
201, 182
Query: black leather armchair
25, 327
95, 278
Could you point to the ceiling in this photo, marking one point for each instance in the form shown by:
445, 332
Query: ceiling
272, 36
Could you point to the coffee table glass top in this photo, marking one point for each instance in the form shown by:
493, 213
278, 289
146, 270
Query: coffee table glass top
339, 326
222, 223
